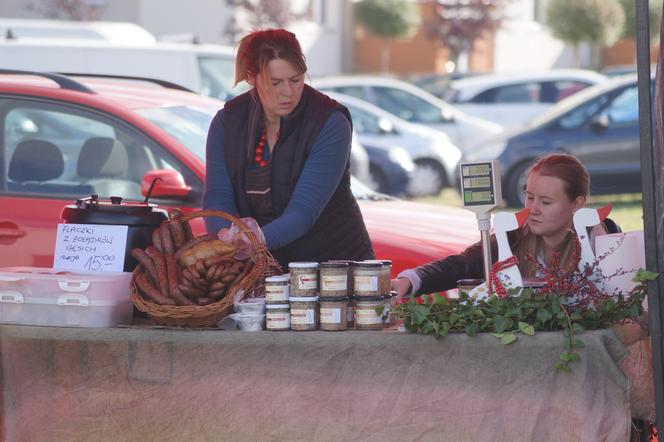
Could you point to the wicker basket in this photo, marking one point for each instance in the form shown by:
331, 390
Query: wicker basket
209, 315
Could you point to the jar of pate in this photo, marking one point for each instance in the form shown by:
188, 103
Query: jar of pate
333, 281
277, 317
350, 313
333, 314
304, 313
277, 289
366, 316
303, 279
366, 277
384, 275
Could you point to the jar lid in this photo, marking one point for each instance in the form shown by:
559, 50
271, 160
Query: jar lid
368, 264
303, 298
385, 262
330, 299
302, 265
269, 306
367, 298
278, 278
333, 265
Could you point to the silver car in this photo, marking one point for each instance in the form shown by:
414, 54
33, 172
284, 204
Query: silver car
436, 157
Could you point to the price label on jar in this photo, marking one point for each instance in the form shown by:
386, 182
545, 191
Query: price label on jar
302, 316
307, 281
366, 283
332, 283
330, 315
367, 316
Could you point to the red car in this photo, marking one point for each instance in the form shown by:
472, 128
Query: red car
52, 131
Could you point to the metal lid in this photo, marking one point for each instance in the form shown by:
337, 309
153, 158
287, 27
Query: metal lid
370, 264
303, 265
278, 278
333, 265
303, 299
114, 211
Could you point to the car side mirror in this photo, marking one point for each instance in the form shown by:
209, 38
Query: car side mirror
169, 184
599, 123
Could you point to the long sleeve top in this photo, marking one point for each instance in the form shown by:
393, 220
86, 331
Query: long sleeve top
320, 177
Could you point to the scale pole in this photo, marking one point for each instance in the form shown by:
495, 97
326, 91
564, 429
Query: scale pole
484, 225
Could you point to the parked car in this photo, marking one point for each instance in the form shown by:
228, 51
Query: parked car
129, 132
514, 99
391, 169
598, 125
414, 105
435, 157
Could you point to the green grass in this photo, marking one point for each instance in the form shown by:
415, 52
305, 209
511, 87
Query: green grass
627, 208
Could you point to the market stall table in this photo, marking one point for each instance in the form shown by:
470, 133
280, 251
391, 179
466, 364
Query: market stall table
172, 385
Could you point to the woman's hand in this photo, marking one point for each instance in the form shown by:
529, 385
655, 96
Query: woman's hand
402, 286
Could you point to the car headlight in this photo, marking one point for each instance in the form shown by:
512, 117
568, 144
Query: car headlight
400, 156
487, 151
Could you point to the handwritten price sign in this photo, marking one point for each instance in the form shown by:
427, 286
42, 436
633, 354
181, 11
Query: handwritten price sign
90, 247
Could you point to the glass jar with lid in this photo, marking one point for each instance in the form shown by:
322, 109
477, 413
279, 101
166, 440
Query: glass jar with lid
277, 289
303, 279
333, 279
366, 277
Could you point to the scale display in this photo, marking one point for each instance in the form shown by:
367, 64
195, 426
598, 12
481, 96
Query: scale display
480, 185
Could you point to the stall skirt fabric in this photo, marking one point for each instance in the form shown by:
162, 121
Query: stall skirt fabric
137, 384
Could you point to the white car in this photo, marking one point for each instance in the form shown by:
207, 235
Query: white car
414, 105
436, 157
515, 99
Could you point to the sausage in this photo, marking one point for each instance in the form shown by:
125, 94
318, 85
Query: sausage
188, 234
200, 268
188, 276
191, 292
216, 294
235, 284
156, 240
160, 266
180, 299
166, 238
174, 213
146, 262
172, 275
204, 301
213, 260
177, 233
151, 292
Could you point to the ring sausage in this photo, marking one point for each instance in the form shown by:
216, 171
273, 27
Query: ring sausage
151, 292
160, 266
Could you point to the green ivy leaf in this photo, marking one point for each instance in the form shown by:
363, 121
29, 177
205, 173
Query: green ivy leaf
526, 328
643, 275
497, 335
565, 356
544, 315
471, 329
577, 328
508, 338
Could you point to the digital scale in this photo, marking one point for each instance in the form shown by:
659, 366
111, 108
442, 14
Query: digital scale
481, 193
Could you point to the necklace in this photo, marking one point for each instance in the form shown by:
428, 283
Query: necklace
260, 147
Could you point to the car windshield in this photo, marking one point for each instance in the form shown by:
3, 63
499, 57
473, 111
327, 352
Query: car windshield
188, 124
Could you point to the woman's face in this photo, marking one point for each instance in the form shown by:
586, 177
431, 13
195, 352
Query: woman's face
551, 210
280, 91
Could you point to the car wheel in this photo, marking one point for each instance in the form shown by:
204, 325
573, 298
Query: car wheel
377, 180
428, 178
515, 193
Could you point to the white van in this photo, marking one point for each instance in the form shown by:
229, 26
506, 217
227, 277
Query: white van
205, 69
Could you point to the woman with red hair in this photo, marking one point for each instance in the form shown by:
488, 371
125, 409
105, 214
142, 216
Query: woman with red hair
280, 154
557, 186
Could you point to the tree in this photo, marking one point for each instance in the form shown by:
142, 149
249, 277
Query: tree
82, 10
261, 14
388, 19
654, 16
577, 21
458, 23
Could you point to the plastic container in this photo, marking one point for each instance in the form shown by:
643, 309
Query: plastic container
333, 279
333, 314
277, 289
366, 317
366, 277
304, 313
250, 306
277, 317
303, 279
248, 322
45, 296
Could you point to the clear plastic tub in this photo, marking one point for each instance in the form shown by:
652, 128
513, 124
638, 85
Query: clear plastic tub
45, 296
